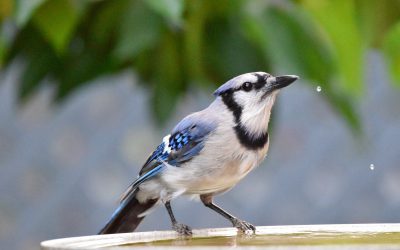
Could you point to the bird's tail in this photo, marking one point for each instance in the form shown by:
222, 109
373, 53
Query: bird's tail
127, 216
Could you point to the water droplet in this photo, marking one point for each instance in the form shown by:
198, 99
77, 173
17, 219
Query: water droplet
319, 88
372, 166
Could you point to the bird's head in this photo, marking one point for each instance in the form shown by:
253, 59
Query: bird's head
254, 87
251, 96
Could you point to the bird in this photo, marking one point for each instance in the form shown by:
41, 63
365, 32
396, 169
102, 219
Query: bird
206, 154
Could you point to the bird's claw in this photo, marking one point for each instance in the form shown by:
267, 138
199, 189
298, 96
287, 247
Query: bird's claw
243, 226
182, 229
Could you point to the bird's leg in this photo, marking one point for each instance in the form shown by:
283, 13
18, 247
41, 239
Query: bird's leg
180, 228
236, 222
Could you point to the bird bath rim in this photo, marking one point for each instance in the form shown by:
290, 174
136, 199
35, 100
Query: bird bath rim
117, 240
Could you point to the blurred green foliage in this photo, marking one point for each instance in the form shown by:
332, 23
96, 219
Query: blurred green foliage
173, 44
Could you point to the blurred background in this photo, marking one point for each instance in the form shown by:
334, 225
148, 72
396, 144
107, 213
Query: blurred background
89, 88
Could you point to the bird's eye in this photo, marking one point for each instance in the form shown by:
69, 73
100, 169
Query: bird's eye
247, 86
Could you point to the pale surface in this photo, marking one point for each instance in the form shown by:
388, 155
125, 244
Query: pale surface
343, 236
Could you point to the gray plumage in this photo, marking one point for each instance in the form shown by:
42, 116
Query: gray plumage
207, 153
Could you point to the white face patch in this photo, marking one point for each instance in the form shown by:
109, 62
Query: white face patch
256, 111
250, 100
250, 97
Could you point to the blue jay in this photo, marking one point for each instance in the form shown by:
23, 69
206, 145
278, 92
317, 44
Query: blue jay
206, 154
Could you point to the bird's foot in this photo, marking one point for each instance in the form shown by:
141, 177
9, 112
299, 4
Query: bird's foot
182, 229
243, 226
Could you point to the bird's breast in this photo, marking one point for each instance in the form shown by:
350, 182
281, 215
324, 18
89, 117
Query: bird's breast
219, 167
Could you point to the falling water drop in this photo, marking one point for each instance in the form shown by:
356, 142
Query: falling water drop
372, 166
319, 88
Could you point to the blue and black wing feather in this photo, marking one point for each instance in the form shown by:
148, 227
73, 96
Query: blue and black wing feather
186, 141
185, 145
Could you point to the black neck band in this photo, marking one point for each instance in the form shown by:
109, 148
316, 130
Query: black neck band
247, 140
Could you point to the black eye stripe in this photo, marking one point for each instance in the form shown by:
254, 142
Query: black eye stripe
261, 81
248, 86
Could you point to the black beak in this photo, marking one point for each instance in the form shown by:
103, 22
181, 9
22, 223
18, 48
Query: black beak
283, 81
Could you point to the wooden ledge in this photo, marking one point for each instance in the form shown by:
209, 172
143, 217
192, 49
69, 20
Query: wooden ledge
115, 241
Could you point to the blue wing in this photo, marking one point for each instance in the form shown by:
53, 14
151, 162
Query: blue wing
185, 142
